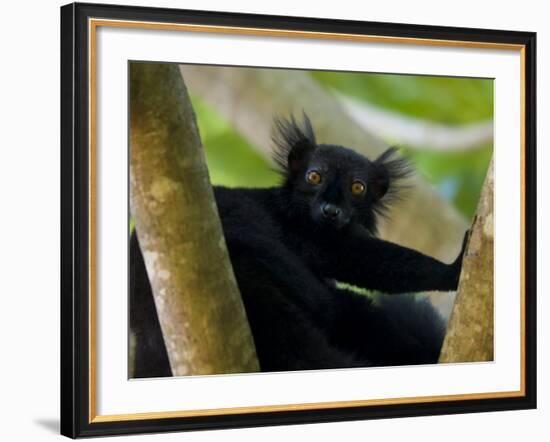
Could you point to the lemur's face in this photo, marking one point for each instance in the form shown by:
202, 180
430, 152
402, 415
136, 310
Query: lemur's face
333, 186
333, 183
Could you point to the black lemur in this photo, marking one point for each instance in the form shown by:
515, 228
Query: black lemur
290, 244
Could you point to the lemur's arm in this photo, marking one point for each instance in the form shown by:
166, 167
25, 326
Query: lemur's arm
381, 265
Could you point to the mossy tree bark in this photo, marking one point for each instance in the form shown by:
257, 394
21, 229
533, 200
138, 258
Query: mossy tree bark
470, 330
201, 313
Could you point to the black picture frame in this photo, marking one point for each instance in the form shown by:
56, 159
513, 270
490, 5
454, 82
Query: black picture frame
75, 220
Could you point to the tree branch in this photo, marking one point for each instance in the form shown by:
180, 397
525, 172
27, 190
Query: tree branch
198, 303
416, 132
470, 330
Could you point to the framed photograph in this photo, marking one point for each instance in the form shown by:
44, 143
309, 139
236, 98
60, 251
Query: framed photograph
274, 220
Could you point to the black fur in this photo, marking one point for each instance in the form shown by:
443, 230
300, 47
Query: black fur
289, 244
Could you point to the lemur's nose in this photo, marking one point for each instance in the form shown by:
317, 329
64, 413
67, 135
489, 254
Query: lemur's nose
330, 210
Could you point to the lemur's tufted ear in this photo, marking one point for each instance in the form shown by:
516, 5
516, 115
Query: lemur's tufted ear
387, 174
293, 143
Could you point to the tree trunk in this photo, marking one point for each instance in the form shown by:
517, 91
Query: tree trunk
470, 330
199, 306
249, 98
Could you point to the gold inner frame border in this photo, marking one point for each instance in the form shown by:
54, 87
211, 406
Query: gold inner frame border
93, 24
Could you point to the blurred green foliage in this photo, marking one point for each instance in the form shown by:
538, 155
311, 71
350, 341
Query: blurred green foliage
232, 162
448, 100
457, 176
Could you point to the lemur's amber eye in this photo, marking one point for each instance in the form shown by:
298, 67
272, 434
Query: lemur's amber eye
313, 177
357, 188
